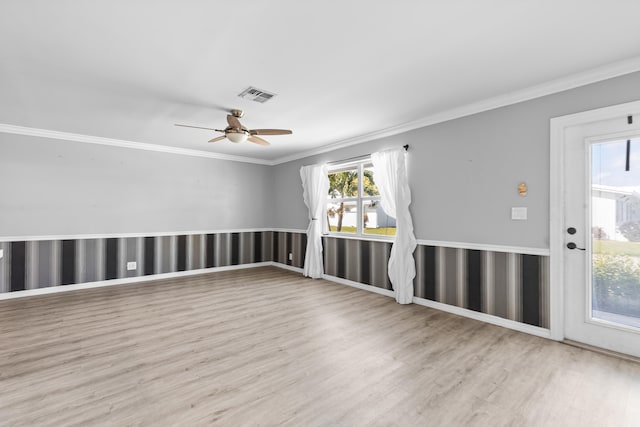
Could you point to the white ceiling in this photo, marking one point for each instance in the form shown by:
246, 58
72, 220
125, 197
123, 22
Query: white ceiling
129, 70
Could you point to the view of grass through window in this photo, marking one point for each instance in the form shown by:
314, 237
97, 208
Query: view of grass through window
615, 227
353, 203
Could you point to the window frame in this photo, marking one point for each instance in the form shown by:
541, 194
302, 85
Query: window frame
360, 166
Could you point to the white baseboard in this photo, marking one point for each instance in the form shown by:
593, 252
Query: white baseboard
287, 267
359, 285
483, 317
127, 280
506, 323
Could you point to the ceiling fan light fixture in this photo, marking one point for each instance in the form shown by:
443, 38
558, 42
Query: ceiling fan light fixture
237, 137
237, 133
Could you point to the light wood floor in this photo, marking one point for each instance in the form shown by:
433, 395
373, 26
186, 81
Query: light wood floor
267, 347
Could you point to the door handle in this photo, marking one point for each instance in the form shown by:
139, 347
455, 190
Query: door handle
572, 246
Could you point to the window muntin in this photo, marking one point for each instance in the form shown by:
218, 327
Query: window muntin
353, 202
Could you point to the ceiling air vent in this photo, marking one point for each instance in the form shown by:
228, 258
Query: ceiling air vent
254, 94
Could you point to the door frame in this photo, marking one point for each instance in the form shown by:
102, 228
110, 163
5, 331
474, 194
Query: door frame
557, 141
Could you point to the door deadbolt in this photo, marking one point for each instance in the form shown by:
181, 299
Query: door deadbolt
571, 230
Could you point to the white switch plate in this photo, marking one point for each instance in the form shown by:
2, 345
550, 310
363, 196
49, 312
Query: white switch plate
132, 265
519, 213
1, 253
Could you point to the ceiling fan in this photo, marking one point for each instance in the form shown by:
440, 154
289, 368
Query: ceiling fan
237, 133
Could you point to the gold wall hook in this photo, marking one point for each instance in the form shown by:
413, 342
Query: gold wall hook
522, 189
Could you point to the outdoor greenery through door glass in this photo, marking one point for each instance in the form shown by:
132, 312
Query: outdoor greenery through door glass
353, 203
615, 229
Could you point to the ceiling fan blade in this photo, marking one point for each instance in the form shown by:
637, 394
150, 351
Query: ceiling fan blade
270, 132
257, 140
233, 122
219, 138
198, 127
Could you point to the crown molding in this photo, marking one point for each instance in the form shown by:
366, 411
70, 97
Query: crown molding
573, 81
67, 136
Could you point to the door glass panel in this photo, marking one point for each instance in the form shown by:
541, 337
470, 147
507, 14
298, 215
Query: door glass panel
615, 232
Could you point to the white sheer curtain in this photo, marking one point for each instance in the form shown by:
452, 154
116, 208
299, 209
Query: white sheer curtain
393, 184
315, 183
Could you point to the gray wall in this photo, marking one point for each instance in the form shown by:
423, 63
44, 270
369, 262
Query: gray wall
464, 173
54, 187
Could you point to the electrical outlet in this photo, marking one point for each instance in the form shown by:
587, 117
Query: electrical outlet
132, 265
1, 253
290, 256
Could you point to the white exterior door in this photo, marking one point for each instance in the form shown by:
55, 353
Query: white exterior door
600, 176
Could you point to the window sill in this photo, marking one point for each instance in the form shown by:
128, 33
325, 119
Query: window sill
373, 237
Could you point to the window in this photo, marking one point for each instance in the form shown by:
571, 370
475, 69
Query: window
353, 202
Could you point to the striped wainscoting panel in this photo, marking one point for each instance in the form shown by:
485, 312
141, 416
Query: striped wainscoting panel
45, 263
287, 243
362, 261
508, 285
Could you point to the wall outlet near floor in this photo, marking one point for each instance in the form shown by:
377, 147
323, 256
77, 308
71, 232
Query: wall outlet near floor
290, 256
132, 265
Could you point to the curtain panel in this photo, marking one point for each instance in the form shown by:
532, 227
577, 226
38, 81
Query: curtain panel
315, 184
393, 184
